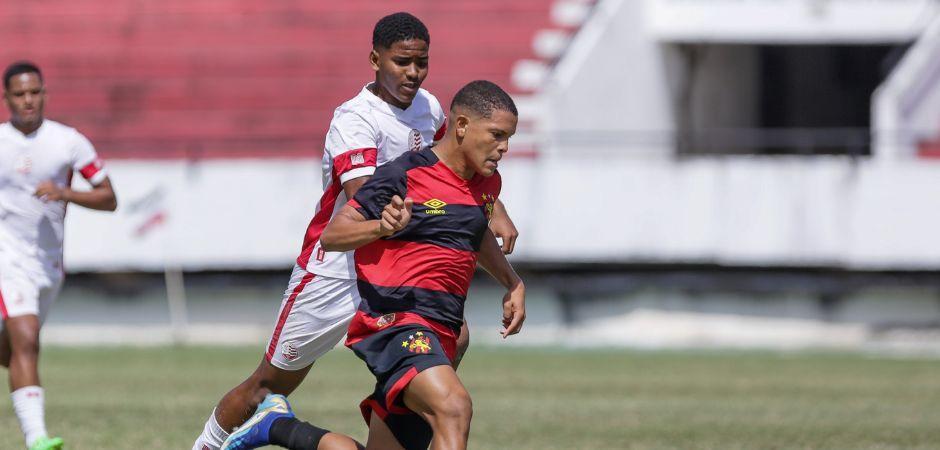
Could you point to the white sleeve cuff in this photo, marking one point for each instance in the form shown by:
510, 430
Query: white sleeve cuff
97, 178
356, 173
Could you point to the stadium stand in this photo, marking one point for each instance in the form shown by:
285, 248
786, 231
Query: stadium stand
166, 79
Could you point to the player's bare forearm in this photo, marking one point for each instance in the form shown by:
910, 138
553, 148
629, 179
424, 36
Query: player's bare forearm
503, 227
100, 197
349, 230
494, 262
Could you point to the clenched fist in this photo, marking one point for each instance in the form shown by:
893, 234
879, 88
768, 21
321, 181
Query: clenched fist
396, 215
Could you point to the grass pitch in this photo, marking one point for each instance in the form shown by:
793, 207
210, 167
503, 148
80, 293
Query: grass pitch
158, 398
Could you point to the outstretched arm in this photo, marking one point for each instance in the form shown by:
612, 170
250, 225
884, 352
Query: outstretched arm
350, 230
494, 262
100, 197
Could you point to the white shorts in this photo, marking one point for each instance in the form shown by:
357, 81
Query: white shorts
313, 318
24, 292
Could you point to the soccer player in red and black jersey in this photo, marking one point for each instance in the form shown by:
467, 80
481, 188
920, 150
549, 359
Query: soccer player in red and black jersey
390, 116
419, 227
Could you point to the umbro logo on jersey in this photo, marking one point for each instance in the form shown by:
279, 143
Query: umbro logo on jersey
435, 207
357, 159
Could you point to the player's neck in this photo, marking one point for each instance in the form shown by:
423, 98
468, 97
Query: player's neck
386, 96
449, 153
24, 128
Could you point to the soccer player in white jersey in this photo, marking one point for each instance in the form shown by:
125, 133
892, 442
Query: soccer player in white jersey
37, 158
389, 117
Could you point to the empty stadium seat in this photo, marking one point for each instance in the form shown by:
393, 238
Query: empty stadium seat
205, 78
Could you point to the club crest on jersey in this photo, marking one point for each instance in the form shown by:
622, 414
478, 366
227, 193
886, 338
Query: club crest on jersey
417, 343
357, 159
289, 351
23, 165
386, 320
488, 201
435, 207
416, 141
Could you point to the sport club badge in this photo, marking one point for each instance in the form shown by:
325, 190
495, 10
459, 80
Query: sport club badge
416, 140
289, 350
385, 320
417, 343
488, 201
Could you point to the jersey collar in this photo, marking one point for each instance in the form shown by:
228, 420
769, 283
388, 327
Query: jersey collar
384, 106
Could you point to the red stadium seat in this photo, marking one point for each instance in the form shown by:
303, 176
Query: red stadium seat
206, 78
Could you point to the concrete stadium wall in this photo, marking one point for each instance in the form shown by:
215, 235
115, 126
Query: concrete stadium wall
584, 206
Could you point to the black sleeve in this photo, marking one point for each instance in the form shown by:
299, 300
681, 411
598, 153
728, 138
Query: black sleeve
387, 181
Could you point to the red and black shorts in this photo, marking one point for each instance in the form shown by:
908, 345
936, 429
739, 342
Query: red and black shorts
395, 354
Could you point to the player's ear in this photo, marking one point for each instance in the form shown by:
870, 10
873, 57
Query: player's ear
462, 122
374, 59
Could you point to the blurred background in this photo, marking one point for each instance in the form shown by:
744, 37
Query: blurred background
756, 174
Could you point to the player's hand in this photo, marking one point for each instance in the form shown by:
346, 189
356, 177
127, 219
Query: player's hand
504, 230
395, 216
513, 310
48, 191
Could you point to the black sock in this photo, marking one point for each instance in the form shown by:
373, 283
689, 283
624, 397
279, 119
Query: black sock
291, 433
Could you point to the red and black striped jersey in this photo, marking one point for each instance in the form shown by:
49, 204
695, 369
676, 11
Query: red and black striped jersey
426, 268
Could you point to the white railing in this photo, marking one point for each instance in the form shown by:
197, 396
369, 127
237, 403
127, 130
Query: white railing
906, 107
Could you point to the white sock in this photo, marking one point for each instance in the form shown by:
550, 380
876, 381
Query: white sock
212, 435
28, 405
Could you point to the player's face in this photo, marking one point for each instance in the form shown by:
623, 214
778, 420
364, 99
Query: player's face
26, 98
400, 70
487, 139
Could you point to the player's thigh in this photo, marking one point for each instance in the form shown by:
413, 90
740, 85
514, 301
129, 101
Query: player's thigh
19, 292
313, 318
436, 392
380, 436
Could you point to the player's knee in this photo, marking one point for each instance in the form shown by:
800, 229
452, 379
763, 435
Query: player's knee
336, 441
277, 382
25, 347
455, 407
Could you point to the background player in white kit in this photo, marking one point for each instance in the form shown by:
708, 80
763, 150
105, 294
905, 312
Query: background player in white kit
37, 158
389, 117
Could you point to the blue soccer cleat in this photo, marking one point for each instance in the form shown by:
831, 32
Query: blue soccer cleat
254, 432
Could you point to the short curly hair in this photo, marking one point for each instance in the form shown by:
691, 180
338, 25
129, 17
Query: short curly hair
483, 97
17, 68
400, 26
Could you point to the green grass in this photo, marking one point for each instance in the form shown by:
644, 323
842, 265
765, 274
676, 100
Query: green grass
523, 399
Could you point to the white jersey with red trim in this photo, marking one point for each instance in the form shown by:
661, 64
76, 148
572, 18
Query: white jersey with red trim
366, 132
31, 230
